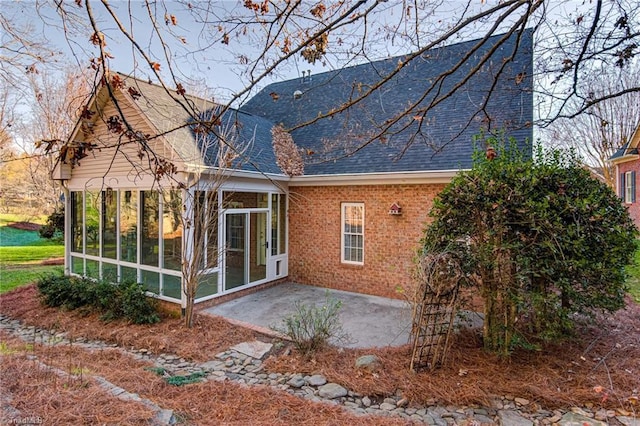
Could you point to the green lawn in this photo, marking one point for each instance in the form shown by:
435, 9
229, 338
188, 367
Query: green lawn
12, 255
634, 277
21, 253
17, 276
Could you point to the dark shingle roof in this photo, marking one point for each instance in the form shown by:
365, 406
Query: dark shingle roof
441, 141
251, 133
251, 137
624, 151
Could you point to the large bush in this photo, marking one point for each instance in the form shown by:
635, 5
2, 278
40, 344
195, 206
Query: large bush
541, 238
55, 224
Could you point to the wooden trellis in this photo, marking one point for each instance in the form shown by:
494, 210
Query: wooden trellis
434, 310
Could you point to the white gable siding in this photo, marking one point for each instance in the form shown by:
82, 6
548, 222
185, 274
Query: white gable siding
115, 162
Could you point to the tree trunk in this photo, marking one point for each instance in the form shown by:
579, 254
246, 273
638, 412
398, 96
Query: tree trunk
499, 311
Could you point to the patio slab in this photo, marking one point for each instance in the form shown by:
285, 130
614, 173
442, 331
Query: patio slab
370, 321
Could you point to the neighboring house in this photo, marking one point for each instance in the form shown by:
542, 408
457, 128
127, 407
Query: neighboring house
351, 221
627, 168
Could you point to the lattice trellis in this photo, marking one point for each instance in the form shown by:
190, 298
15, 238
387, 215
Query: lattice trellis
434, 310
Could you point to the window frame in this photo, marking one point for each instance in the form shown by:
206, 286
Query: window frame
344, 233
629, 186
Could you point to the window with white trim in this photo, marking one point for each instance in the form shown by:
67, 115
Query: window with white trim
352, 224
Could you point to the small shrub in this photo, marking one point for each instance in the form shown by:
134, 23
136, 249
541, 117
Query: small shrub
103, 295
177, 380
185, 380
61, 291
135, 305
311, 326
123, 300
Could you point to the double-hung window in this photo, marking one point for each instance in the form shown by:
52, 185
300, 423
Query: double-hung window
352, 223
628, 187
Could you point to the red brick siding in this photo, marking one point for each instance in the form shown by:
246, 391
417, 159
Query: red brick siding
390, 241
634, 208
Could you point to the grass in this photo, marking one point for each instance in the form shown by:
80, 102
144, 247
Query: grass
634, 277
21, 253
16, 255
16, 277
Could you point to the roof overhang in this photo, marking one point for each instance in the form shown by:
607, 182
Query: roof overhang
229, 173
386, 178
389, 178
624, 158
633, 150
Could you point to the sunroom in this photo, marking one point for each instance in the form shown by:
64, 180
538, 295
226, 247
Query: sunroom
236, 234
154, 197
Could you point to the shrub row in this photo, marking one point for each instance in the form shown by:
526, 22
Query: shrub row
122, 300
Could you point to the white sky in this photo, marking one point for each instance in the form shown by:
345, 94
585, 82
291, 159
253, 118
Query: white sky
218, 66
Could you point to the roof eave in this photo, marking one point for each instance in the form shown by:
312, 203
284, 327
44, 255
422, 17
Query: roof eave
624, 158
385, 178
227, 173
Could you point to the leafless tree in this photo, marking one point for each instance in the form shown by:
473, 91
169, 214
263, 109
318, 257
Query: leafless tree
53, 105
23, 49
261, 40
56, 105
604, 127
201, 207
6, 121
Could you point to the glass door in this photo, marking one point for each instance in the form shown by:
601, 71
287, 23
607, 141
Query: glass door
258, 260
235, 250
246, 246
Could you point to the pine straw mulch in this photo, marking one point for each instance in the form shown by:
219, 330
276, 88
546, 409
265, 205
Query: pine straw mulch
208, 337
78, 400
32, 391
599, 368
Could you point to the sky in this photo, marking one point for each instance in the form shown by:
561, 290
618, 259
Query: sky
210, 68
217, 66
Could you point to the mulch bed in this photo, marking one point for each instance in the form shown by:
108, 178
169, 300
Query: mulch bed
41, 396
25, 226
37, 393
599, 368
208, 337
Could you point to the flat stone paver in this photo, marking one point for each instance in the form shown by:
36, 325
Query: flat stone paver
255, 349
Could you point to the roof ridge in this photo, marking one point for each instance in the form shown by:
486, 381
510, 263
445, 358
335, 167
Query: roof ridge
431, 52
149, 82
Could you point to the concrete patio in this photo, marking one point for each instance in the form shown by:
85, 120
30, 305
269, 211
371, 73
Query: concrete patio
370, 321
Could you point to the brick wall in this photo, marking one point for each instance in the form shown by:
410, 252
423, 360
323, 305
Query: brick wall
634, 209
390, 241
